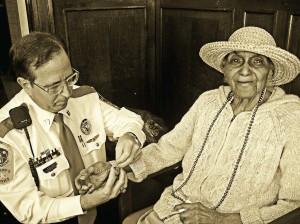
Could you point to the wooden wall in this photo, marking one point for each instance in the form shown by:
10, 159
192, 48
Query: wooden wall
5, 41
144, 53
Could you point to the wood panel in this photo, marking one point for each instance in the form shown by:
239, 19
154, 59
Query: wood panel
40, 15
5, 42
108, 44
263, 20
185, 76
108, 47
14, 20
293, 45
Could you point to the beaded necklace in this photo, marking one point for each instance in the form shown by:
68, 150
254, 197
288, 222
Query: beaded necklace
229, 100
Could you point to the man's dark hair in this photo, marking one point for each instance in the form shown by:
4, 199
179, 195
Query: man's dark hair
32, 51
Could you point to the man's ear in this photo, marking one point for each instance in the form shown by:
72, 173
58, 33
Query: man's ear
25, 84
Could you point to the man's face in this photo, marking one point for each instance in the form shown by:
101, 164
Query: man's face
48, 75
246, 73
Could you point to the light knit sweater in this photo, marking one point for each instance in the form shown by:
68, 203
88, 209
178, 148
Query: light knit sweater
267, 182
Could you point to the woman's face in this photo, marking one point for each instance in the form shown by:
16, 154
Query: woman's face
246, 73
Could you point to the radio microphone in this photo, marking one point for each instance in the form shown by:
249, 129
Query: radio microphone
21, 120
20, 117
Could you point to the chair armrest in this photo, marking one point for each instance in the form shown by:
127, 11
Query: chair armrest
292, 217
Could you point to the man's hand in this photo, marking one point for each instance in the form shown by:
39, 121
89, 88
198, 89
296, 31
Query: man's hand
106, 192
194, 213
127, 151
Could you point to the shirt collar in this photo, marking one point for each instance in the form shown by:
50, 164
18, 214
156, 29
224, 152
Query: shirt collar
43, 117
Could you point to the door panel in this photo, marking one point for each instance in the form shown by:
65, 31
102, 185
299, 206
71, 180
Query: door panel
185, 76
293, 45
108, 43
108, 47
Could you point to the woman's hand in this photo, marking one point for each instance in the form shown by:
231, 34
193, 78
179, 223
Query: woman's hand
111, 189
93, 177
195, 213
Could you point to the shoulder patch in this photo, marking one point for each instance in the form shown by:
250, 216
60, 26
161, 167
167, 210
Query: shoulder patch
6, 165
82, 91
6, 126
107, 101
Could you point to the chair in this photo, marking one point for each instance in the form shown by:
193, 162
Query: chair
292, 217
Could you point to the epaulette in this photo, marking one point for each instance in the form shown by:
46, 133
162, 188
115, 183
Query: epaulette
82, 91
107, 101
6, 126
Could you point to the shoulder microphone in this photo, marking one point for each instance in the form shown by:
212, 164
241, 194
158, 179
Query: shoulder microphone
20, 117
21, 120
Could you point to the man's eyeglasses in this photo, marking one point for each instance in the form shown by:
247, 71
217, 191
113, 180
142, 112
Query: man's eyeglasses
57, 88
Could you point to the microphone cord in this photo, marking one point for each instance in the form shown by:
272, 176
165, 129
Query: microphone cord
31, 161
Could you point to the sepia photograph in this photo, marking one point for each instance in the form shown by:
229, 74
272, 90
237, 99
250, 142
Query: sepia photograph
150, 111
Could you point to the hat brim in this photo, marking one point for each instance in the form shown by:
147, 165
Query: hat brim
287, 65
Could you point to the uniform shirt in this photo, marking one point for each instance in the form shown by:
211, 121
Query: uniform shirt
90, 121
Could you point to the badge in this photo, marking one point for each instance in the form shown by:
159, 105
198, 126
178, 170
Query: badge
86, 127
6, 166
4, 157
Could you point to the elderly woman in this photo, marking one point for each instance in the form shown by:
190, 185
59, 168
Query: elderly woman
239, 144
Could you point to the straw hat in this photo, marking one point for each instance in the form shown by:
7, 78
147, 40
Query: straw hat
257, 40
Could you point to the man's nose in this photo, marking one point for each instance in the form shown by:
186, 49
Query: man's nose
66, 91
245, 69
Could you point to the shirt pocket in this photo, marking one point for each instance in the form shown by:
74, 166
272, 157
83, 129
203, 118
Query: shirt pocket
91, 142
54, 176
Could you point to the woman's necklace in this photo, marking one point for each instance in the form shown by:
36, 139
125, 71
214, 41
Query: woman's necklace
229, 100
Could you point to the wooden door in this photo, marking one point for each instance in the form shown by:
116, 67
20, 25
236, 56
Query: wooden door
184, 26
109, 43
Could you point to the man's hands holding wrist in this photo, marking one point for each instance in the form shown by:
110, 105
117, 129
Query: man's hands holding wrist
127, 150
115, 184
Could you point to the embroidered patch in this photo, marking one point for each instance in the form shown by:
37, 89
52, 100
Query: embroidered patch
6, 166
86, 127
92, 139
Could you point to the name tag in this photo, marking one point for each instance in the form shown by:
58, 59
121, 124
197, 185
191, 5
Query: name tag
50, 167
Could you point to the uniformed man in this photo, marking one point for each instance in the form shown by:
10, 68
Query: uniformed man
37, 164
